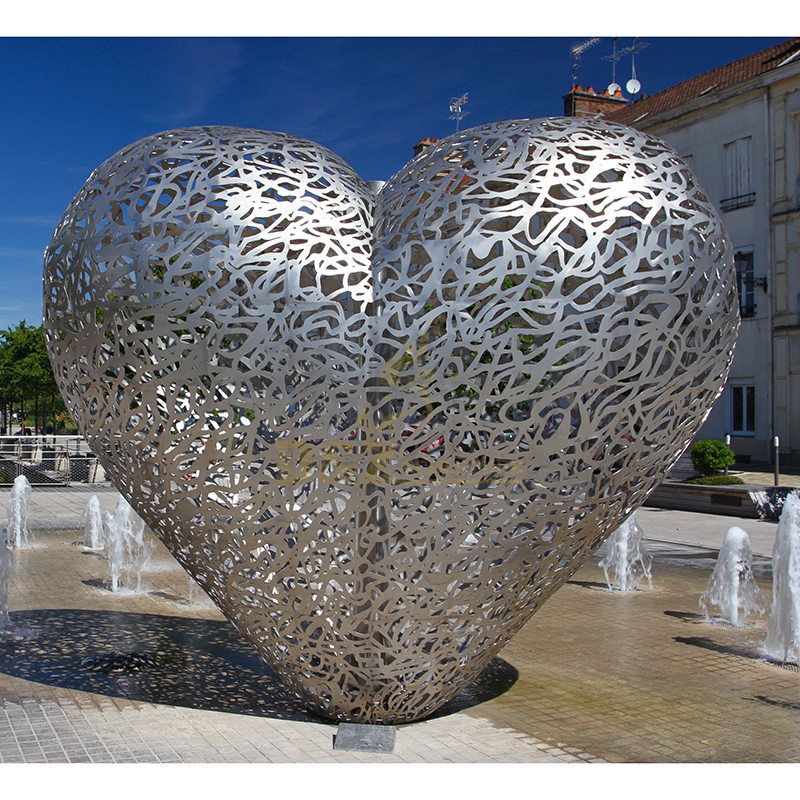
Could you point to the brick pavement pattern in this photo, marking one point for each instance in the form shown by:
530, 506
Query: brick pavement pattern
62, 508
54, 719
593, 676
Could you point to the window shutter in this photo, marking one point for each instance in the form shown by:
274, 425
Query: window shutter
744, 166
737, 167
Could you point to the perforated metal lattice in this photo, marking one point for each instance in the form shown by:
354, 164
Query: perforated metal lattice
380, 432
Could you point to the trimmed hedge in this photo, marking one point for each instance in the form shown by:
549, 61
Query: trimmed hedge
710, 456
716, 480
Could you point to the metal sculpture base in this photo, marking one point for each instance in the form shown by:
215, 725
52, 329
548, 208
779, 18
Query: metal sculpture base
364, 738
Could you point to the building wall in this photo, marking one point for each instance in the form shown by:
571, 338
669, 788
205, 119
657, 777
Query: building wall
700, 137
784, 105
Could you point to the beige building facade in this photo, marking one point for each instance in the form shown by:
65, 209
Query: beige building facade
738, 127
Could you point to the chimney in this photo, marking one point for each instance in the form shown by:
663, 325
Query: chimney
423, 144
582, 102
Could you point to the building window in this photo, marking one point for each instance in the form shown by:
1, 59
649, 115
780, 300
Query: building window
743, 410
739, 190
745, 282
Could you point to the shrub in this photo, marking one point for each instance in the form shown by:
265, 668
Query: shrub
716, 480
710, 456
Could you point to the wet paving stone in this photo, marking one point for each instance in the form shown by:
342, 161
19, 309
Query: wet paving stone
152, 677
642, 677
592, 676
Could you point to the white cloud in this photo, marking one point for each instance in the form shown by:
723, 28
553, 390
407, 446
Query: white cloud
36, 220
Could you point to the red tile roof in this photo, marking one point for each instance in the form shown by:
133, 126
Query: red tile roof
713, 81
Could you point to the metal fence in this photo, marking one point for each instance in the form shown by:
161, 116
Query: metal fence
48, 460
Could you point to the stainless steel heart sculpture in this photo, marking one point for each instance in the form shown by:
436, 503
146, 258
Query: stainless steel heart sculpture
381, 430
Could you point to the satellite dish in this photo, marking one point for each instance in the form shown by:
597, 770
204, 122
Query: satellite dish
613, 88
633, 86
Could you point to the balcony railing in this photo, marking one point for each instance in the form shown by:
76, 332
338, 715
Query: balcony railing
740, 201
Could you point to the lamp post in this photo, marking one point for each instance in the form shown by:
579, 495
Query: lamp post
728, 443
776, 443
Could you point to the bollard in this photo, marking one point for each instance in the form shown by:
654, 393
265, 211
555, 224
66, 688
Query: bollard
727, 442
776, 442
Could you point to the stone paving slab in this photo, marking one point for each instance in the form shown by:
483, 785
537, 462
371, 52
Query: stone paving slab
53, 709
704, 530
61, 508
767, 478
644, 677
592, 676
75, 729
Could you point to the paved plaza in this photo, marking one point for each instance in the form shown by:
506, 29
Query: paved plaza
594, 676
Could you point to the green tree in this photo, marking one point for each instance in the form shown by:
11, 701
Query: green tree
26, 379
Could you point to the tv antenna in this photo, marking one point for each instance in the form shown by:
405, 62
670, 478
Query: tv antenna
576, 51
457, 107
613, 87
633, 85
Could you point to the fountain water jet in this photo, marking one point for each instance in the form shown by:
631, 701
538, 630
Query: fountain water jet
129, 550
627, 563
5, 570
9, 631
190, 596
93, 524
732, 589
783, 627
18, 512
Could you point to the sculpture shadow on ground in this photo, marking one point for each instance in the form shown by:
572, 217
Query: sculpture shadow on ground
754, 653
193, 663
589, 585
751, 652
688, 616
790, 705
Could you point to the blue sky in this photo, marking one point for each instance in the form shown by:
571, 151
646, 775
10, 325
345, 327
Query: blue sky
71, 103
